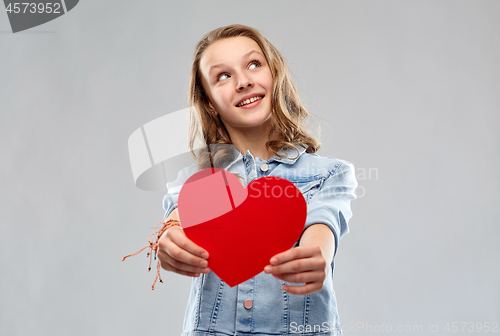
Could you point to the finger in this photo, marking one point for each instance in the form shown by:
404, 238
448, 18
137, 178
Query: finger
294, 253
179, 253
303, 290
165, 258
296, 266
178, 236
303, 277
170, 268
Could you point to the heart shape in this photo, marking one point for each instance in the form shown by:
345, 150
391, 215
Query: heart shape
241, 228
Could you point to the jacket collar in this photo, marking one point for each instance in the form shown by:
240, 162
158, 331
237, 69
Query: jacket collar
290, 155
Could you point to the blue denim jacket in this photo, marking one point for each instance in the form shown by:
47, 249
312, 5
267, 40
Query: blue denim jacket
214, 308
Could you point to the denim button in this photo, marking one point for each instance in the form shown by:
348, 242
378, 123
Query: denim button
248, 303
264, 167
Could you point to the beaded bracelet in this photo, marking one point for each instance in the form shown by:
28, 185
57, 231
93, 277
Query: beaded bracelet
153, 246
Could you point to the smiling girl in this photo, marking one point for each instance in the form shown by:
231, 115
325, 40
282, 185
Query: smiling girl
245, 100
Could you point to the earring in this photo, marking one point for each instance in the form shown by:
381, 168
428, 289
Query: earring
212, 110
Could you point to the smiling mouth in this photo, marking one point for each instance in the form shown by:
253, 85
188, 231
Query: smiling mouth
249, 101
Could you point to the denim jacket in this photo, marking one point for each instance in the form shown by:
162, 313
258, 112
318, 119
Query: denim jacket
214, 308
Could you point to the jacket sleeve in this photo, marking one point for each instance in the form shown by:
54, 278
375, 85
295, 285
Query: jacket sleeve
174, 188
330, 204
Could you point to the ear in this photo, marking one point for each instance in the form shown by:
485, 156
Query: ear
214, 112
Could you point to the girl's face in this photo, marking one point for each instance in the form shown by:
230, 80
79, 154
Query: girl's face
234, 73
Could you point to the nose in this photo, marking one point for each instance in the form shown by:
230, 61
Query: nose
244, 82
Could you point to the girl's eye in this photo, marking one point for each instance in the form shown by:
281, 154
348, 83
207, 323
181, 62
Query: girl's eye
221, 76
255, 62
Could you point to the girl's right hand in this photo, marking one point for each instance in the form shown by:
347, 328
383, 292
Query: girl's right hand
179, 254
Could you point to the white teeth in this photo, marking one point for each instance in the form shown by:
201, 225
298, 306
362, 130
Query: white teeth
248, 101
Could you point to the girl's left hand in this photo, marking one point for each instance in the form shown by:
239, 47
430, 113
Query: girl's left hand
302, 264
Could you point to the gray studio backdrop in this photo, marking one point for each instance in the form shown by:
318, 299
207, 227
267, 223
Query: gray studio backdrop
406, 90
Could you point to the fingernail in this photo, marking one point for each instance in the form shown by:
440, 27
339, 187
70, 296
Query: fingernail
267, 269
273, 260
203, 263
204, 255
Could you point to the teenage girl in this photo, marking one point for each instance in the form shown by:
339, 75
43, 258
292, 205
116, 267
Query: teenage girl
242, 92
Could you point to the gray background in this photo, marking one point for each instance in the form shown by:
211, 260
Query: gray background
408, 89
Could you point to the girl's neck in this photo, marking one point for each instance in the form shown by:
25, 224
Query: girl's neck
254, 141
257, 150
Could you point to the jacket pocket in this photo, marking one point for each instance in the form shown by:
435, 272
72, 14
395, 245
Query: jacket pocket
308, 188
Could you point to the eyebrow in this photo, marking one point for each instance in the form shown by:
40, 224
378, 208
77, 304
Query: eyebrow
246, 55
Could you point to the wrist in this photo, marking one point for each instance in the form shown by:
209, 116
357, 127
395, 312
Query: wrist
166, 225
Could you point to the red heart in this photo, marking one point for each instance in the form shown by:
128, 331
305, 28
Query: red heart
241, 228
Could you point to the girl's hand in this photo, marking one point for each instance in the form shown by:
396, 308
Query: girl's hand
302, 264
179, 254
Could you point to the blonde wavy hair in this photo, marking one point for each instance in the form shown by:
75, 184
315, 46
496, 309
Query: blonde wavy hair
287, 117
